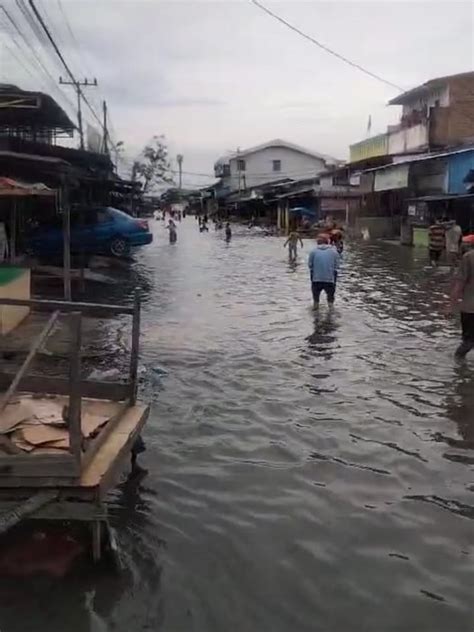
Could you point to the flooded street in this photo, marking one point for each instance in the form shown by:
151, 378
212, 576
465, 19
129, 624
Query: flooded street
306, 472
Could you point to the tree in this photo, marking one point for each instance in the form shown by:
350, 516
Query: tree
153, 166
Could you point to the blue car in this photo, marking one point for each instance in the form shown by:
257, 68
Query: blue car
103, 230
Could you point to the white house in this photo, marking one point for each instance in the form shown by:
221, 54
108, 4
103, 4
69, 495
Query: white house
275, 160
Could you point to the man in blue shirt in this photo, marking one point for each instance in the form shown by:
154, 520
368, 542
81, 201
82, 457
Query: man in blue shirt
323, 263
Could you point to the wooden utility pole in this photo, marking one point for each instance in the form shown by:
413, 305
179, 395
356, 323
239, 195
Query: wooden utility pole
106, 131
77, 86
179, 159
238, 170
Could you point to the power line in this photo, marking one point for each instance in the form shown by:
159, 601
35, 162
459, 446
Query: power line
34, 28
326, 48
36, 58
72, 36
51, 40
61, 57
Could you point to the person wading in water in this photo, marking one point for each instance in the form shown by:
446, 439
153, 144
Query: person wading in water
173, 233
463, 291
436, 241
323, 264
292, 243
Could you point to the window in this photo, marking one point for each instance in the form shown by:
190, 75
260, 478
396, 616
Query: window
226, 170
276, 165
240, 165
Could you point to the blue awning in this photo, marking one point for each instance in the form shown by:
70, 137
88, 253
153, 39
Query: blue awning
303, 211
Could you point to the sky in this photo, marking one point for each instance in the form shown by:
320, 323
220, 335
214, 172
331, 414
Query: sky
215, 76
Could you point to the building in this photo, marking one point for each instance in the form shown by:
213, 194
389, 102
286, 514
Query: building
334, 193
275, 160
414, 190
435, 115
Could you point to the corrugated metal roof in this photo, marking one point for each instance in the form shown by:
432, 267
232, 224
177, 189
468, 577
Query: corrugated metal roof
422, 157
436, 198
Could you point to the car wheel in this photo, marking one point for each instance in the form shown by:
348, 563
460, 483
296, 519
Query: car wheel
119, 247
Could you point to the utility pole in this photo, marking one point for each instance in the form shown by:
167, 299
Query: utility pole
179, 159
106, 131
77, 86
238, 169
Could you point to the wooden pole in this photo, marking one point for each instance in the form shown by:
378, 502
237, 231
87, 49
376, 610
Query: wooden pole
25, 508
28, 360
135, 349
82, 285
96, 540
75, 398
66, 211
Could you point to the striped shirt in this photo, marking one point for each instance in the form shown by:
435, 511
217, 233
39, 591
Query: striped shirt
436, 237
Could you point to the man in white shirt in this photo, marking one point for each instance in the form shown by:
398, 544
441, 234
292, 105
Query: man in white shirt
453, 236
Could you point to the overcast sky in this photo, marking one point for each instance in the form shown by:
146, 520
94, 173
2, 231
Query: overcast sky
214, 76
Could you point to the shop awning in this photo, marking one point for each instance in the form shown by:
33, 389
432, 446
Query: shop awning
303, 211
17, 188
441, 197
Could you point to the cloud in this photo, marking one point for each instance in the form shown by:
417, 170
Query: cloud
212, 76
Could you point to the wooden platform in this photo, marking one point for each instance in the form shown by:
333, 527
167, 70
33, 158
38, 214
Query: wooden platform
101, 472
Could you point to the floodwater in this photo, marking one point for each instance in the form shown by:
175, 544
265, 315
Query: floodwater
306, 472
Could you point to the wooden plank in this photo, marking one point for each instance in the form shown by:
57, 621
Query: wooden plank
28, 360
25, 508
68, 306
62, 510
96, 443
33, 482
53, 466
135, 349
113, 391
75, 399
36, 460
102, 470
23, 369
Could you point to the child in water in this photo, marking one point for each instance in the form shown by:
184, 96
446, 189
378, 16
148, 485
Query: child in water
228, 232
173, 233
292, 243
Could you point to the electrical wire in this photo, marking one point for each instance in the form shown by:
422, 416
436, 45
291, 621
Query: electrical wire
72, 36
326, 48
34, 28
61, 57
34, 55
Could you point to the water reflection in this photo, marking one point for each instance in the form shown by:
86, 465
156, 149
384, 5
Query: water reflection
322, 341
460, 405
307, 471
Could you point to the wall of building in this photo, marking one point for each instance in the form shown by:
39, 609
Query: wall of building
437, 97
369, 148
377, 227
259, 167
454, 125
458, 167
408, 139
429, 177
393, 177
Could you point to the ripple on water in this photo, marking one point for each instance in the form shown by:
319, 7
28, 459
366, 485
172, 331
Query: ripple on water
306, 471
